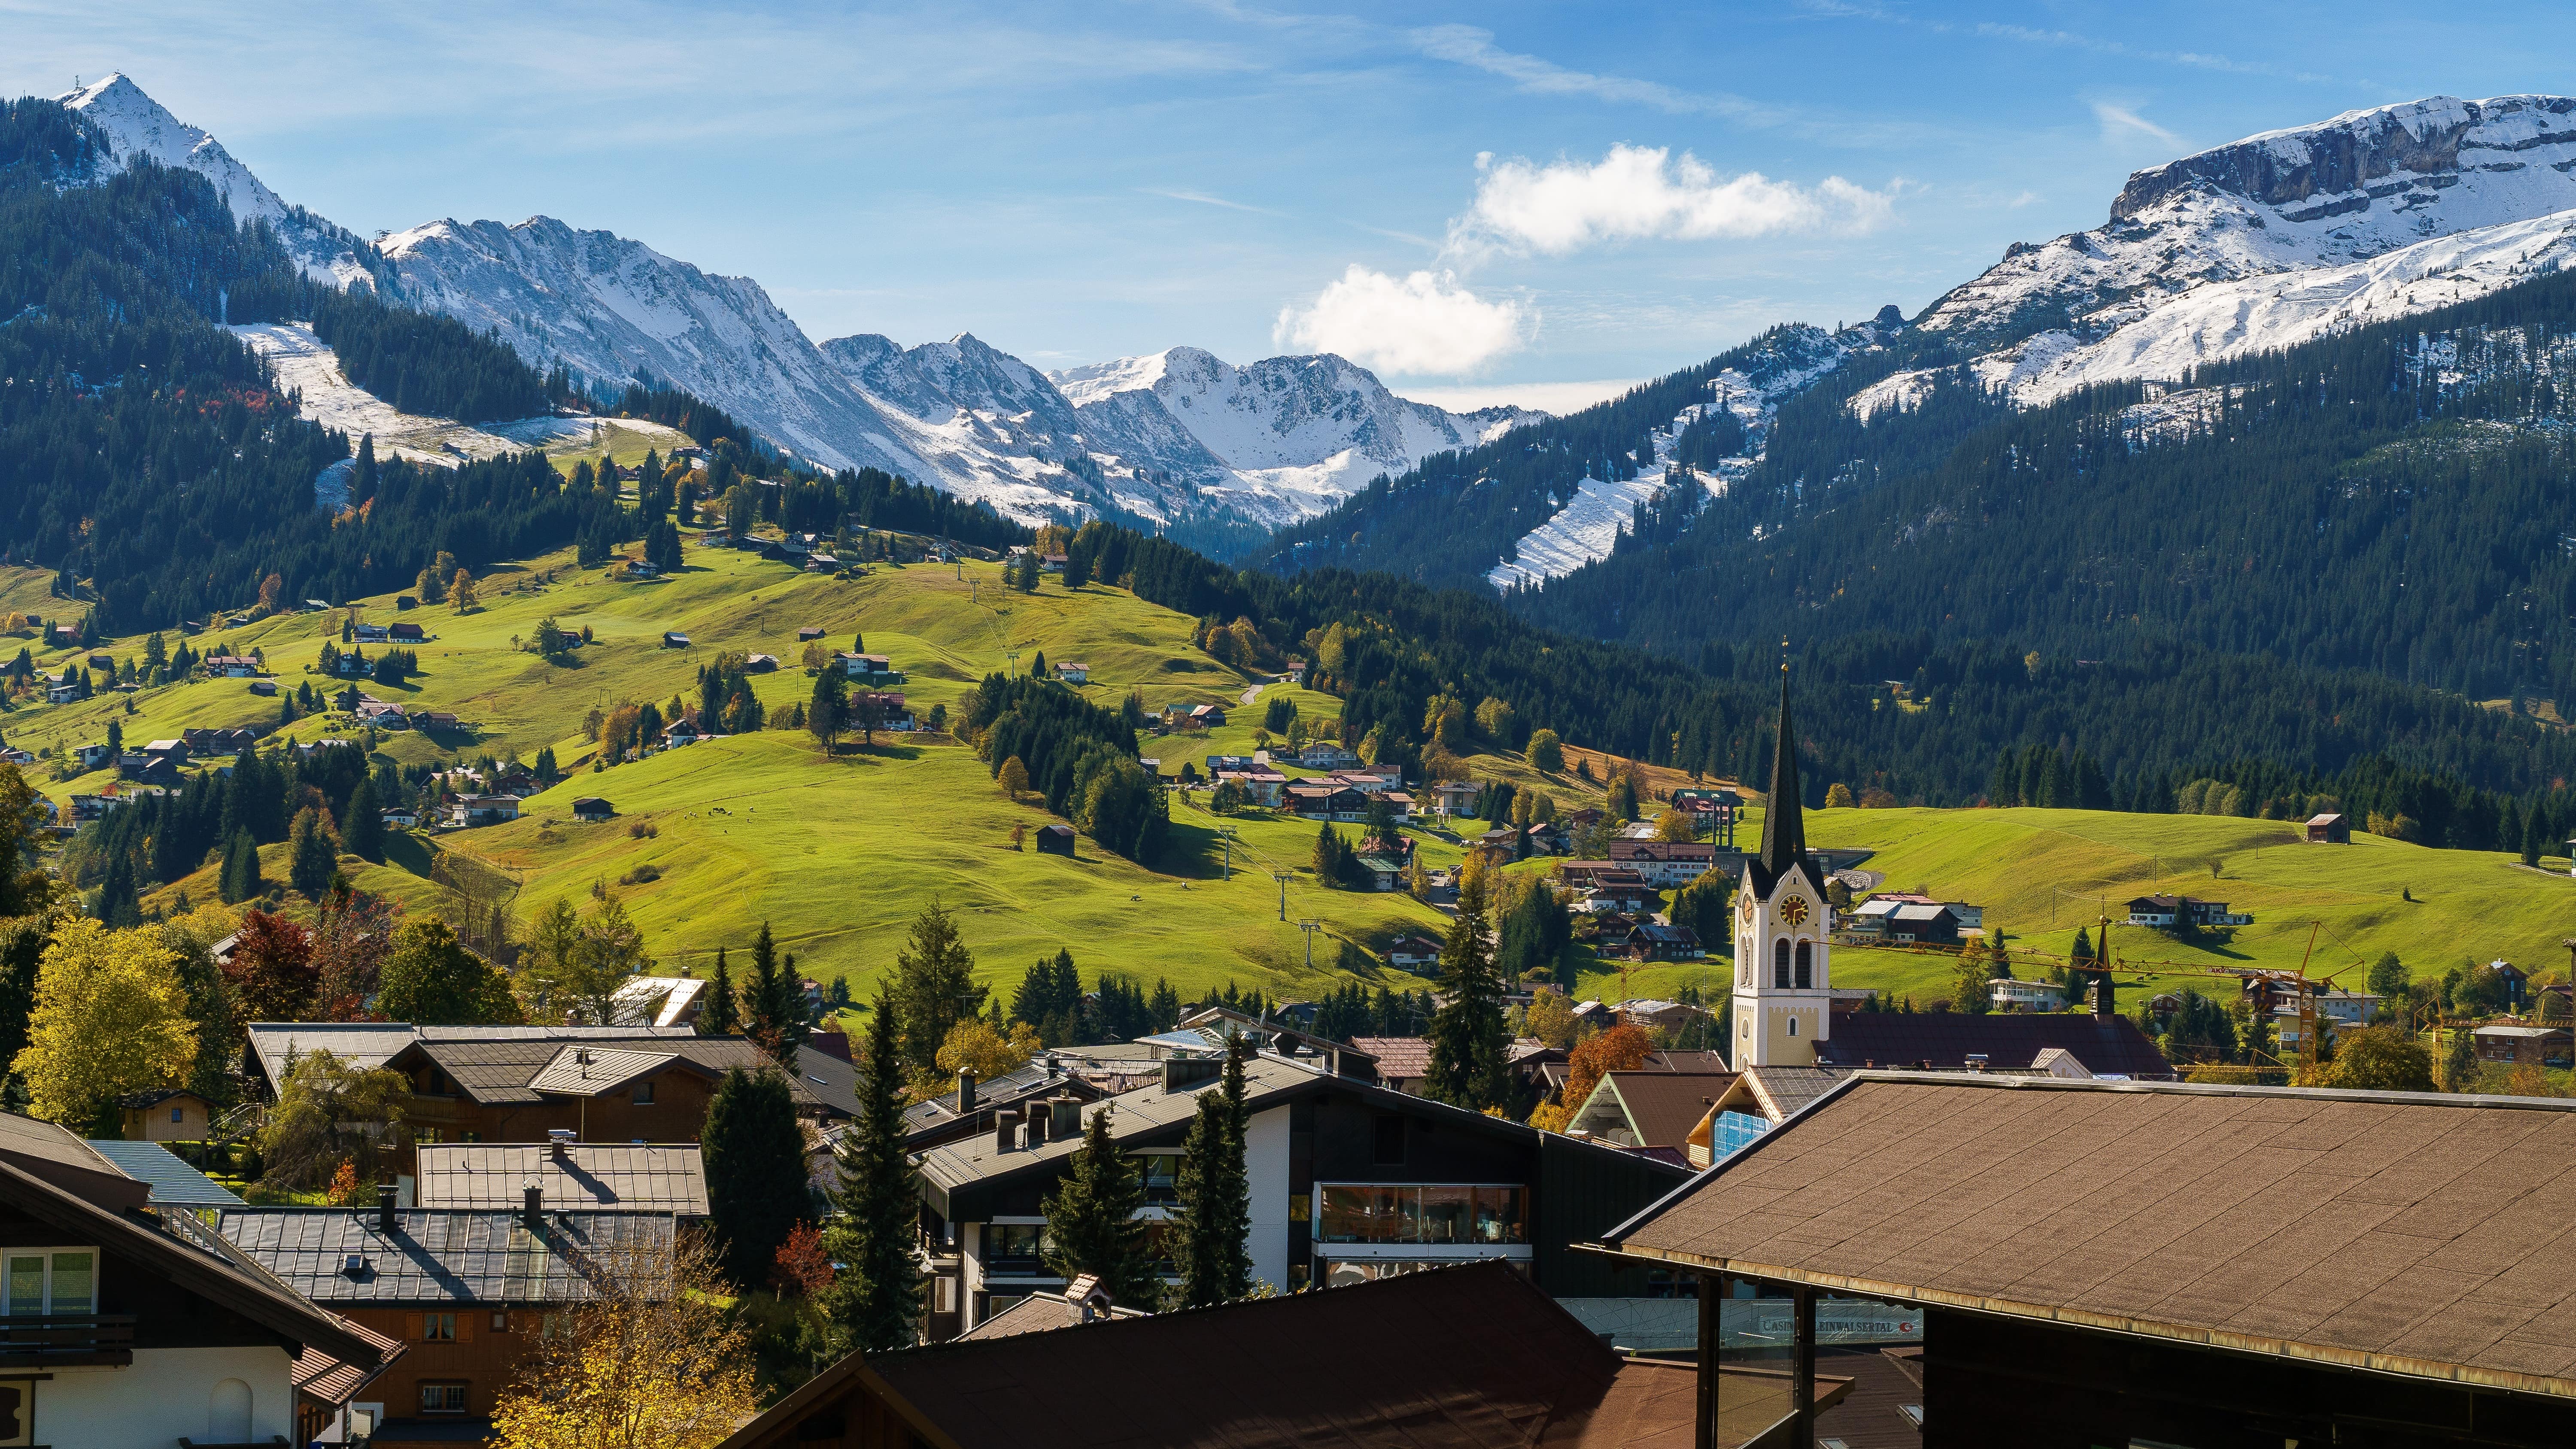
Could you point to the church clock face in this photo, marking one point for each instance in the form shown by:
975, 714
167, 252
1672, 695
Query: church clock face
1745, 907
1794, 910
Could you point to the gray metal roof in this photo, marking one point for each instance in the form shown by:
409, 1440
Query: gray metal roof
584, 1071
1005, 1089
506, 1070
828, 1080
437, 1255
367, 1044
669, 1178
174, 1183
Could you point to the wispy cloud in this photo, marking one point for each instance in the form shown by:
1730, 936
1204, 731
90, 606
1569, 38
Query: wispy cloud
1202, 198
2119, 122
1472, 47
2197, 60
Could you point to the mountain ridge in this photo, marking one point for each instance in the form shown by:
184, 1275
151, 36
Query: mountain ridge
976, 423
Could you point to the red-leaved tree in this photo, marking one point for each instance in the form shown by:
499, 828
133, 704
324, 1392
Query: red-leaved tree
272, 973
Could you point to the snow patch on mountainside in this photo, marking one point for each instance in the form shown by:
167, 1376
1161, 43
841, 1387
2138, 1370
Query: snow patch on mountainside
1587, 528
306, 368
138, 128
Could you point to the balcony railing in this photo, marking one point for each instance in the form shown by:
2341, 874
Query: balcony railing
97, 1338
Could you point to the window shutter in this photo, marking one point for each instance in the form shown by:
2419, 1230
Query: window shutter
412, 1327
465, 1325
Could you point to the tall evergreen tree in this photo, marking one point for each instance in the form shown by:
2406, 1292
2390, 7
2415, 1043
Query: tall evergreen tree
240, 880
310, 859
1467, 1033
364, 835
722, 1015
755, 1168
1092, 1218
1212, 1234
934, 986
875, 1300
773, 1006
119, 904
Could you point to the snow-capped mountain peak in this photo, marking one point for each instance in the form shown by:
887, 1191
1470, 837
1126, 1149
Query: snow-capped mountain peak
2271, 240
140, 128
1178, 437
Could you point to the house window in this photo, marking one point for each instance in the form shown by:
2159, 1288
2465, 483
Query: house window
643, 1094
1780, 962
178, 1114
438, 1328
1429, 1213
442, 1398
1016, 1248
427, 1136
1793, 1024
1386, 1148
1806, 964
500, 1321
52, 1280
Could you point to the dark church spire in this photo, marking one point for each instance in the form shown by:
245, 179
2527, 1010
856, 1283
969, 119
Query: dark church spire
1784, 824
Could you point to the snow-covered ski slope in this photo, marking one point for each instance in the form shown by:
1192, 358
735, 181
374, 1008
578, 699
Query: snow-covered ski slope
306, 368
1586, 527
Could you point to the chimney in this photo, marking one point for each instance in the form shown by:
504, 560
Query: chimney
1006, 1130
965, 1093
532, 1205
1039, 1121
387, 1222
1067, 1112
1182, 1073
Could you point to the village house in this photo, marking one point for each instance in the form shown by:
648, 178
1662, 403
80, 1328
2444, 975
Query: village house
1072, 673
591, 809
1263, 787
2020, 1350
1658, 1112
205, 742
658, 1001
874, 670
168, 1115
2013, 994
1055, 839
407, 633
123, 1320
466, 1292
93, 757
463, 812
1351, 1181
1664, 863
2523, 1044
1417, 954
1325, 755
1453, 798
2170, 911
569, 1176
1319, 1369
371, 634
1904, 922
230, 666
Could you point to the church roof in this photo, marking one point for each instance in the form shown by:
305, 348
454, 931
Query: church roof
1784, 823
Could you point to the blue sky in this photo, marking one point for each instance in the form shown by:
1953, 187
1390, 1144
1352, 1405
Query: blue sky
1472, 200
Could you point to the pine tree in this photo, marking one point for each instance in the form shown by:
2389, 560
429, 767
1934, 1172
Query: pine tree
119, 905
240, 880
934, 986
722, 1014
875, 1300
311, 859
755, 1168
1092, 1218
773, 1013
365, 835
1467, 1033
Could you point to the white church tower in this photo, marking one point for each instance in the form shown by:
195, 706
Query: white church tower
1783, 1002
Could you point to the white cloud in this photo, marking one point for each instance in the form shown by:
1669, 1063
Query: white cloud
1639, 192
1422, 323
2119, 122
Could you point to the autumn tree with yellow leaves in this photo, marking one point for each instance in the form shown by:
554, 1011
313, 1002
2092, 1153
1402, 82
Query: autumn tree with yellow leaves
651, 1360
110, 1019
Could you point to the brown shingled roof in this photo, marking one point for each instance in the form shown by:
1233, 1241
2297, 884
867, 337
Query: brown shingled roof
1340, 1369
2406, 1233
1663, 1107
1399, 1058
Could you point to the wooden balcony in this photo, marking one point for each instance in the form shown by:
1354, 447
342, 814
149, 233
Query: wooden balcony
60, 1340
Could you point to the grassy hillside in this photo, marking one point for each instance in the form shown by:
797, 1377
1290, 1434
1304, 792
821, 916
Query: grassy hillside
2022, 864
838, 854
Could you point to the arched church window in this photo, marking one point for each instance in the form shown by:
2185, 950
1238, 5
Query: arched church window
1806, 964
1793, 1024
1780, 962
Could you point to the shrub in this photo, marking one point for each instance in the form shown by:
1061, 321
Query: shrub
643, 830
641, 875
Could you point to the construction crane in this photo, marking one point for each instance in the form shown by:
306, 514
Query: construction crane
2264, 987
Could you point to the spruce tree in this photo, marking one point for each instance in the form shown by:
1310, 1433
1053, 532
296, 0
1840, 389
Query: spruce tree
934, 986
773, 1014
1467, 1033
1092, 1218
310, 860
240, 879
875, 1300
365, 834
755, 1169
119, 905
722, 1013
